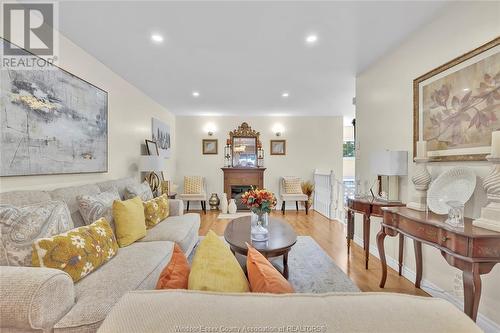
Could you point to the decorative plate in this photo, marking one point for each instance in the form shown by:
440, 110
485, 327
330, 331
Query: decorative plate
456, 184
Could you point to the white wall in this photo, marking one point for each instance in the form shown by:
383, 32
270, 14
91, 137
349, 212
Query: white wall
311, 142
384, 121
129, 116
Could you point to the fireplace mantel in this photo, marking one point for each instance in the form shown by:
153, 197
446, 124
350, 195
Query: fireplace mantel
242, 176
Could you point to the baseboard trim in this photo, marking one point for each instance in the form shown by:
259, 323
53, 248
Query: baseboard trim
485, 323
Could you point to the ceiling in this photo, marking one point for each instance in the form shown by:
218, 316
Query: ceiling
242, 56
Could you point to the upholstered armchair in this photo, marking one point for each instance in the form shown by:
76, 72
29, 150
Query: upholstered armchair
291, 190
195, 190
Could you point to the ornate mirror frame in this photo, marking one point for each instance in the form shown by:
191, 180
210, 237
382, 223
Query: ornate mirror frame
245, 131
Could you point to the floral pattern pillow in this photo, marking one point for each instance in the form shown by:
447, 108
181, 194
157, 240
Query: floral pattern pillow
20, 226
77, 252
156, 210
142, 191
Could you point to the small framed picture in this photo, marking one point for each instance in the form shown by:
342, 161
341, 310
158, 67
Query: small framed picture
278, 147
151, 147
209, 146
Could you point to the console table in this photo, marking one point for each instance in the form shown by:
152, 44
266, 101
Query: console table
471, 249
368, 207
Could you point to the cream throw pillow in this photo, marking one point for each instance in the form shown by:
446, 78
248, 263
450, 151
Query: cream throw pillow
93, 207
292, 185
193, 184
21, 226
142, 191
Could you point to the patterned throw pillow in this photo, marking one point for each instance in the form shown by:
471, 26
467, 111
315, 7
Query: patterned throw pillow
156, 210
292, 185
77, 252
93, 207
20, 226
193, 184
142, 191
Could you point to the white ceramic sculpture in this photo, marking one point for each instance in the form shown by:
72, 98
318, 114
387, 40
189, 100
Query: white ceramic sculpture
490, 215
231, 209
223, 203
421, 180
456, 184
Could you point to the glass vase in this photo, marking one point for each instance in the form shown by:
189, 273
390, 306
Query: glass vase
259, 228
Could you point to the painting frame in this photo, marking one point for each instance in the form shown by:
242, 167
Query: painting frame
272, 147
205, 149
152, 146
418, 117
105, 106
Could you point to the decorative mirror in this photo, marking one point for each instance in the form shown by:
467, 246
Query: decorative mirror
244, 145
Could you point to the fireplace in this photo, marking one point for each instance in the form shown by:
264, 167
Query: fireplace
237, 191
239, 180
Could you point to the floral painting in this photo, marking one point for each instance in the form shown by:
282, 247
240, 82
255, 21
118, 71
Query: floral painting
459, 108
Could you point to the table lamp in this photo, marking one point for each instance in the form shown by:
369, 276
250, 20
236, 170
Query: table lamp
389, 165
151, 164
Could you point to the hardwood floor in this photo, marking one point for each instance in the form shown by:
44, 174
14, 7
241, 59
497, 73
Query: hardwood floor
330, 235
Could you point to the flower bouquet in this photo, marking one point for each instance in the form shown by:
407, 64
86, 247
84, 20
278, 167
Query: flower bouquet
260, 202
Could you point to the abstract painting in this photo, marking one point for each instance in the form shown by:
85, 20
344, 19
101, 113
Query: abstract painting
278, 147
457, 106
209, 146
52, 122
161, 135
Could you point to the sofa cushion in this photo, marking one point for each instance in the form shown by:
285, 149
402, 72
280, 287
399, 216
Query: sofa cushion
182, 230
79, 251
156, 210
22, 198
141, 190
130, 223
176, 274
69, 194
137, 266
20, 226
93, 207
118, 184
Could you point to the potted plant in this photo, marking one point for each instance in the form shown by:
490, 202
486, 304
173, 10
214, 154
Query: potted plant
260, 203
308, 189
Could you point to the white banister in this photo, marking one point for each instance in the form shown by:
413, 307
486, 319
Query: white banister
328, 195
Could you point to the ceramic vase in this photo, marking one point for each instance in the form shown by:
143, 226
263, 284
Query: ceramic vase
223, 203
231, 208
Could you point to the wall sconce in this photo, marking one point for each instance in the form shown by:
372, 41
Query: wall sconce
210, 129
278, 129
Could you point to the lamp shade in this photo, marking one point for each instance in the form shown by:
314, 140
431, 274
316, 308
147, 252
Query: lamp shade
148, 163
389, 163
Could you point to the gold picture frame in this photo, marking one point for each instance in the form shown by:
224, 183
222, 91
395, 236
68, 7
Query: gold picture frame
210, 146
278, 147
452, 110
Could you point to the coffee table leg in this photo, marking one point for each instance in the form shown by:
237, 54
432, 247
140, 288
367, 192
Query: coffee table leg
285, 265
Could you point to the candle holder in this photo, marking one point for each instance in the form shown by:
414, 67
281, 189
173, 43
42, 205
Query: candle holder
490, 214
421, 180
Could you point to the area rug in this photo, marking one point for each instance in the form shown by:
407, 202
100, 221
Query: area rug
233, 216
311, 270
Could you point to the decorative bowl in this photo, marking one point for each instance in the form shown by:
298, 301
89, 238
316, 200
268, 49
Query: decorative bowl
456, 184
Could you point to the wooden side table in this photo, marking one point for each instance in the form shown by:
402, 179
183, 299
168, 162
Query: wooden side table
472, 250
368, 207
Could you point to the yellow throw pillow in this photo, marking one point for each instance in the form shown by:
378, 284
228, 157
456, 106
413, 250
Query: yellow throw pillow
215, 268
292, 185
156, 210
79, 251
193, 184
130, 223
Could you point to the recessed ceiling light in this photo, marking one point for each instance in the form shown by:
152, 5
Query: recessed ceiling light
311, 39
196, 94
285, 94
157, 38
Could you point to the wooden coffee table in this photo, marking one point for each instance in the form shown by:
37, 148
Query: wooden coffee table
281, 239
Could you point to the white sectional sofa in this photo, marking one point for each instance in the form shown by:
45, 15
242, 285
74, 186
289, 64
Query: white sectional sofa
43, 299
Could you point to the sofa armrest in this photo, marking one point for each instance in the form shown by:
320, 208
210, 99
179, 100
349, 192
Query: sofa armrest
176, 207
34, 297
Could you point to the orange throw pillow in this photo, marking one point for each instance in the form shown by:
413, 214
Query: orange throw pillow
263, 277
176, 274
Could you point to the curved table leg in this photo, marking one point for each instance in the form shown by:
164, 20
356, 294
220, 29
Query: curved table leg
366, 238
380, 244
285, 265
350, 229
472, 291
401, 250
418, 261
